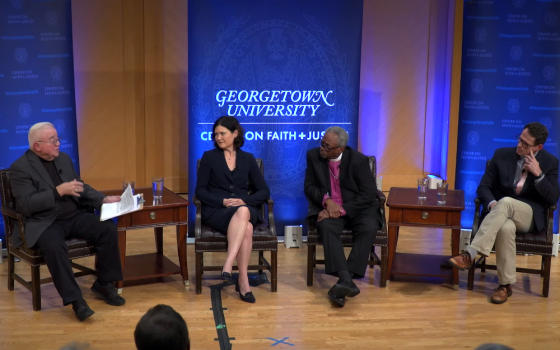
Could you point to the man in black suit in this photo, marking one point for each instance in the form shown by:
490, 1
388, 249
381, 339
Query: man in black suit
516, 188
56, 205
341, 191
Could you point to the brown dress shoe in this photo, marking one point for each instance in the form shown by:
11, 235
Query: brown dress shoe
501, 294
462, 261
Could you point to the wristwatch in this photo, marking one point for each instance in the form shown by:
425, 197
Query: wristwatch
540, 176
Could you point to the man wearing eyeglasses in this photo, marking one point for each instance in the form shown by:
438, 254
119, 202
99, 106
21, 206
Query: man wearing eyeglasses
56, 205
341, 191
517, 187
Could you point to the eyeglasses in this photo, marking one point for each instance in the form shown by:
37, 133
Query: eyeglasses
523, 143
325, 146
52, 142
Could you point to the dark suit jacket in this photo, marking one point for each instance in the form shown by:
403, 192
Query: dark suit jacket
215, 181
357, 184
32, 188
497, 183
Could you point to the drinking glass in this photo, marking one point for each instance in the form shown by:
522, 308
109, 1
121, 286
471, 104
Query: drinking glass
422, 188
157, 188
441, 192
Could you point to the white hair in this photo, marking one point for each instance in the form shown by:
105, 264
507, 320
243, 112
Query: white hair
33, 131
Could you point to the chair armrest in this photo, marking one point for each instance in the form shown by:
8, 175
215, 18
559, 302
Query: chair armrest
198, 218
381, 198
9, 211
476, 220
271, 225
12, 214
550, 223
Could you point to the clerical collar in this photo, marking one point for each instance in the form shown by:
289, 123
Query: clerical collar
337, 159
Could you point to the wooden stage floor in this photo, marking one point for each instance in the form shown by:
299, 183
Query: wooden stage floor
404, 315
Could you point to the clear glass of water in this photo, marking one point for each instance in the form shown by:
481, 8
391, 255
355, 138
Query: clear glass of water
441, 193
157, 188
422, 188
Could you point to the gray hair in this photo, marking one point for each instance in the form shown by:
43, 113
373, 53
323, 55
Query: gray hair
31, 135
341, 135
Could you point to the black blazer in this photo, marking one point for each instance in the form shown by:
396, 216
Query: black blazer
497, 183
215, 181
32, 188
357, 184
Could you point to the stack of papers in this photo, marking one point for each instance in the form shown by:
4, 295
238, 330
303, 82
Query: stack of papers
128, 203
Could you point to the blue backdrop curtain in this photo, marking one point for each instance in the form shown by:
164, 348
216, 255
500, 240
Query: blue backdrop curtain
36, 76
287, 69
510, 77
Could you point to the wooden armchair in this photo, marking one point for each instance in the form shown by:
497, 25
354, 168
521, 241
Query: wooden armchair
77, 248
536, 243
381, 239
264, 239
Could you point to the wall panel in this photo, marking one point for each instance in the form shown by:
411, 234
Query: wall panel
131, 59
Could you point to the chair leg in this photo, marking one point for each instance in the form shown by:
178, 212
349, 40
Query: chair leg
11, 264
546, 280
372, 256
198, 273
470, 281
36, 287
310, 264
274, 271
483, 265
384, 266
261, 258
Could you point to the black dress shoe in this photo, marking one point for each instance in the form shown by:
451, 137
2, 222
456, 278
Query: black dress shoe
82, 310
226, 276
340, 302
354, 290
345, 288
248, 297
108, 293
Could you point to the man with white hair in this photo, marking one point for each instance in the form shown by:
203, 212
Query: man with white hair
56, 205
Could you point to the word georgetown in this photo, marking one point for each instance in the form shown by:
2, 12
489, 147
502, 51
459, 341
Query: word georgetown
273, 103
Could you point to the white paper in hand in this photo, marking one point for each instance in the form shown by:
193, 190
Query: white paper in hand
128, 203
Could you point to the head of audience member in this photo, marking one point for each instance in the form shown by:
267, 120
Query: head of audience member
43, 140
333, 142
75, 346
162, 328
532, 139
228, 133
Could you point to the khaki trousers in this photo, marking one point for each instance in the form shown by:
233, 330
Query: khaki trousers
498, 229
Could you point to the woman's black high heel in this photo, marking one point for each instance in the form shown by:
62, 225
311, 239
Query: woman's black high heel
226, 276
248, 297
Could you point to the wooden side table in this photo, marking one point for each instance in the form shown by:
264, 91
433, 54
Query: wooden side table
172, 210
407, 210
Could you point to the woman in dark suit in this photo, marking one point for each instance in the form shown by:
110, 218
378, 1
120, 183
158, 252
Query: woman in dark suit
222, 186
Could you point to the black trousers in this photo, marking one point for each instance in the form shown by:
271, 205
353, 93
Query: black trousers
364, 228
103, 234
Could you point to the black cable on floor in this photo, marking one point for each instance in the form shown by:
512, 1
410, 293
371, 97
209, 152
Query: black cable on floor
255, 279
219, 318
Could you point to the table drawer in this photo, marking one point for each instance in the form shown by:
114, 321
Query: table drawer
424, 217
152, 217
